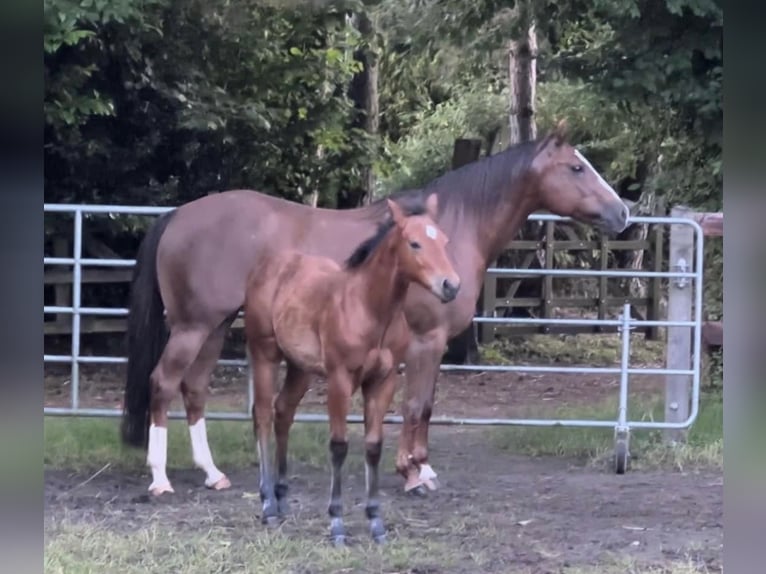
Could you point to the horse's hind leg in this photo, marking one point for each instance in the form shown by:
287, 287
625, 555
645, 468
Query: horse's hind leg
195, 388
181, 350
295, 386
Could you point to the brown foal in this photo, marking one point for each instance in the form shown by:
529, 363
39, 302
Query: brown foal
331, 321
194, 263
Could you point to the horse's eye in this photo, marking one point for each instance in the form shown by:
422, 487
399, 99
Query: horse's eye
414, 244
577, 168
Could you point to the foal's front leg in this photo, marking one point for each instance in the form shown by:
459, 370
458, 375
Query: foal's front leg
378, 394
339, 390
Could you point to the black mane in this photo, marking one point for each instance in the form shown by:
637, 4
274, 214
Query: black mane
365, 249
478, 187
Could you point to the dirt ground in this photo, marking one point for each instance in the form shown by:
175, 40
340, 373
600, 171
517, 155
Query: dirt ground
495, 512
518, 514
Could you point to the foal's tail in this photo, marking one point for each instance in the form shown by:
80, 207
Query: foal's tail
146, 337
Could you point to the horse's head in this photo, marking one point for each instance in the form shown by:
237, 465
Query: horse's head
568, 185
422, 250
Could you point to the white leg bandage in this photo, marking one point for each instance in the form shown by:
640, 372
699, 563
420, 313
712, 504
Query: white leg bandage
201, 453
156, 457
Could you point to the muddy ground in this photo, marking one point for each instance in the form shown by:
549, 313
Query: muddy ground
539, 514
543, 514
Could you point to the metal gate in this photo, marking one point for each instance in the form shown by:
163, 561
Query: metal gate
624, 324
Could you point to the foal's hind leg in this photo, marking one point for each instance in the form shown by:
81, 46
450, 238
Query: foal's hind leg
181, 350
296, 384
264, 360
195, 389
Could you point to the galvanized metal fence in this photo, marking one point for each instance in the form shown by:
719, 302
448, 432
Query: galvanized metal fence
625, 323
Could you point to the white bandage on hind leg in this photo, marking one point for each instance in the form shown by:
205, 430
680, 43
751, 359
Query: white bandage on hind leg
201, 452
156, 457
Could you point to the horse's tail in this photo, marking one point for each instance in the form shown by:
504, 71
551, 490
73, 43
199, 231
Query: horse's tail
146, 336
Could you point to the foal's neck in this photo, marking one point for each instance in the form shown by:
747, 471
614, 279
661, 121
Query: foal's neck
380, 282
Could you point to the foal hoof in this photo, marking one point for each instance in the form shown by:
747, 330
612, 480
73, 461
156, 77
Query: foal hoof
432, 484
221, 484
377, 531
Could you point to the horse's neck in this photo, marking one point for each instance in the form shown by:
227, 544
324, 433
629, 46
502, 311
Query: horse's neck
489, 230
380, 285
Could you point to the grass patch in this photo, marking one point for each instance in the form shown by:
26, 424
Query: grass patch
704, 446
596, 350
87, 444
628, 566
81, 549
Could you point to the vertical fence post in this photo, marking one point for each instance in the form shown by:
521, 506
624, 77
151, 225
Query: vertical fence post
679, 339
76, 303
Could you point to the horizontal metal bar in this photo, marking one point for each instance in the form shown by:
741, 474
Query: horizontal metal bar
445, 367
106, 311
121, 209
156, 210
390, 419
584, 322
590, 273
121, 312
90, 262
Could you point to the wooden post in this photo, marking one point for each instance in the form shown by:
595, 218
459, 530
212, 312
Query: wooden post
463, 348
63, 291
655, 291
680, 299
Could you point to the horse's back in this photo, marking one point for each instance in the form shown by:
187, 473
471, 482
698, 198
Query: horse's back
210, 246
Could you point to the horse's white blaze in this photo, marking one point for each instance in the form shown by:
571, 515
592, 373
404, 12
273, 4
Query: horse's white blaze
601, 180
201, 454
157, 454
431, 232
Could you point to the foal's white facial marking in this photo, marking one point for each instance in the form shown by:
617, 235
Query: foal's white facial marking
431, 232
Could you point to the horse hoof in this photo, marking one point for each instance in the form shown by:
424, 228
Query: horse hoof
418, 491
339, 541
432, 484
270, 521
222, 484
161, 489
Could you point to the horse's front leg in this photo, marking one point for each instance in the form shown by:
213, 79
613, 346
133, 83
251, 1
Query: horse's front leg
422, 370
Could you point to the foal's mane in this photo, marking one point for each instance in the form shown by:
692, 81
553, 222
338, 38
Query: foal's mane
367, 248
478, 187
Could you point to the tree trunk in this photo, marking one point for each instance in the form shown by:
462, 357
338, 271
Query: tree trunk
522, 75
364, 93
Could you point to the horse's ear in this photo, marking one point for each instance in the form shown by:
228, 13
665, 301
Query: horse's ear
396, 211
432, 205
561, 132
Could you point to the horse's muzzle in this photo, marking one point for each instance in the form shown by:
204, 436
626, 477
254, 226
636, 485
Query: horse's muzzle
449, 290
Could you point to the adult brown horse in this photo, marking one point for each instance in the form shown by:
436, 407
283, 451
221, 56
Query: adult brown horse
194, 262
332, 321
